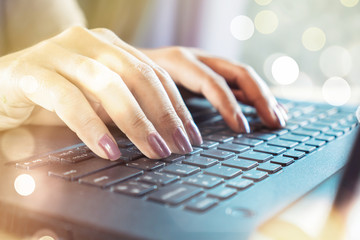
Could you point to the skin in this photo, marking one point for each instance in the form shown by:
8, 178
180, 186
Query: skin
89, 78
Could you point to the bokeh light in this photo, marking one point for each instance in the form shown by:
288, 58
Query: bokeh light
285, 70
24, 184
313, 39
242, 27
335, 61
349, 3
336, 91
263, 2
266, 22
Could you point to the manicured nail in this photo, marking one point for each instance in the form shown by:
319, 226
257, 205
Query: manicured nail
280, 119
110, 147
194, 133
181, 141
158, 144
243, 122
283, 111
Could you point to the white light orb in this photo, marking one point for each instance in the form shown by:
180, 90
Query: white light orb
263, 2
242, 27
285, 70
336, 91
313, 39
349, 3
335, 61
24, 185
266, 22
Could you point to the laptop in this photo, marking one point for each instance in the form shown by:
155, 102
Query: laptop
52, 185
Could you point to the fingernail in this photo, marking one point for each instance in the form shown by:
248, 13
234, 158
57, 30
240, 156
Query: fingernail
243, 122
110, 147
194, 133
283, 111
280, 119
158, 144
181, 141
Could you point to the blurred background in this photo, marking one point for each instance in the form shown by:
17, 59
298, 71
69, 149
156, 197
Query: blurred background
304, 49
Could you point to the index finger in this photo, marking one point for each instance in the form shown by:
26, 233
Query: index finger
252, 89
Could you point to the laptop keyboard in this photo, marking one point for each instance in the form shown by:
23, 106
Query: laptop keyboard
224, 165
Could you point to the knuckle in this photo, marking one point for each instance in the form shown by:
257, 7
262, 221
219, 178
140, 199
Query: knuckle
75, 30
168, 117
89, 123
138, 122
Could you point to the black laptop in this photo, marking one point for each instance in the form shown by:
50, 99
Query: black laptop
52, 185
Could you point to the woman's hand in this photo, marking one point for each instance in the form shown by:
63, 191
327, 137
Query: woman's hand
222, 83
86, 78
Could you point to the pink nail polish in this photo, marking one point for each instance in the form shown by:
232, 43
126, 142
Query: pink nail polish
194, 133
243, 122
110, 147
158, 144
181, 141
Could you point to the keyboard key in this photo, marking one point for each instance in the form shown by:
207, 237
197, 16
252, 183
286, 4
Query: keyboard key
316, 127
201, 204
195, 150
174, 194
316, 143
129, 154
278, 132
221, 192
283, 161
248, 141
110, 176
305, 132
218, 154
240, 163
158, 178
134, 188
73, 172
31, 164
236, 148
223, 172
294, 154
200, 161
323, 137
218, 138
295, 138
204, 181
173, 158
66, 154
282, 143
181, 169
78, 158
269, 149
305, 148
291, 127
333, 133
255, 175
208, 144
255, 156
261, 136
124, 142
229, 133
269, 167
240, 183
146, 164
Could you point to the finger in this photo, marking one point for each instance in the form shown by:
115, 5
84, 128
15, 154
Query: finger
54, 93
145, 86
168, 84
199, 78
255, 90
108, 88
